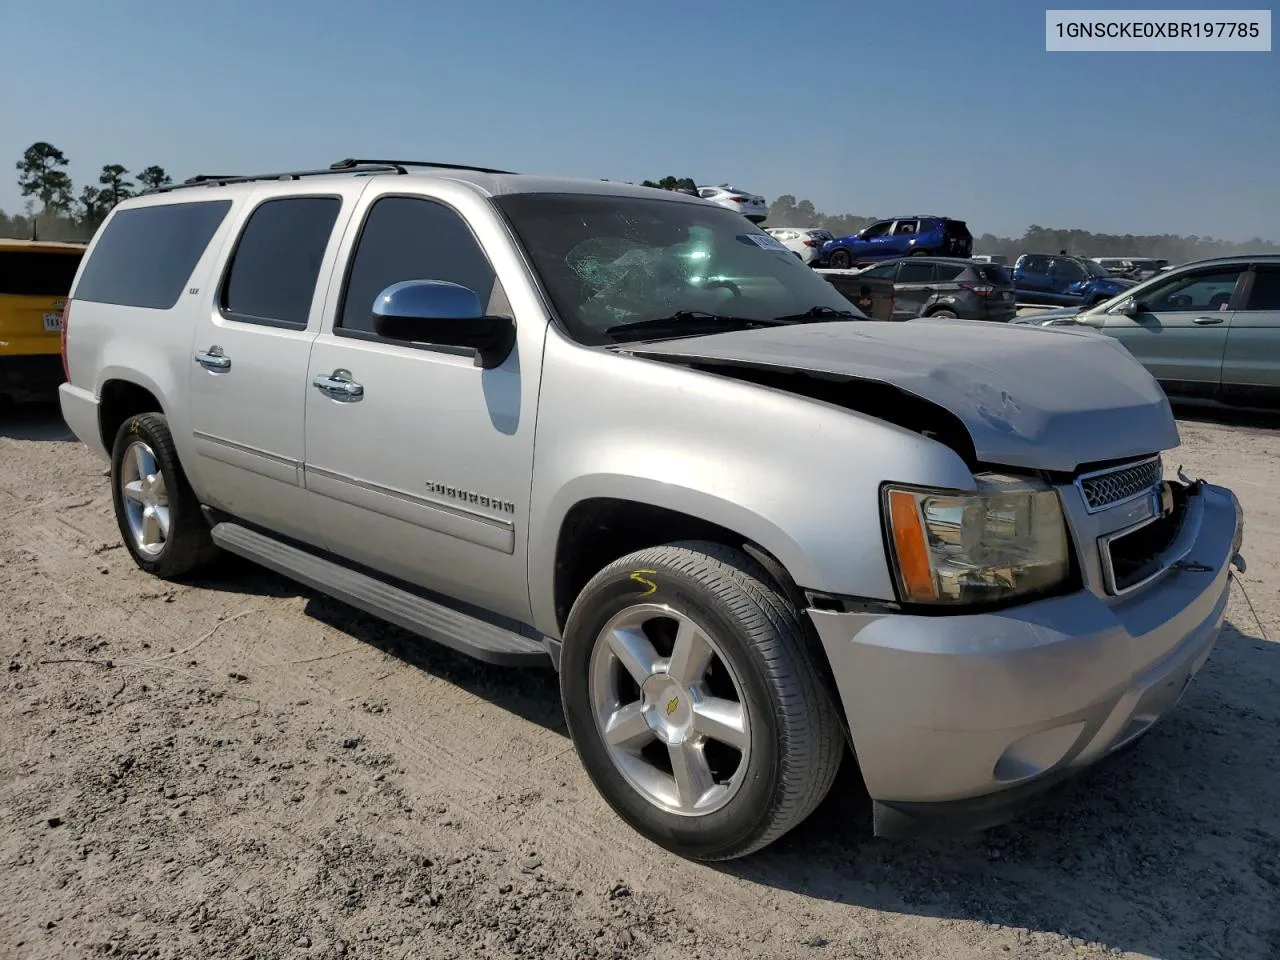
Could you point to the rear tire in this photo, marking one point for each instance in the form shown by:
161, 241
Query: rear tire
712, 754
945, 314
157, 511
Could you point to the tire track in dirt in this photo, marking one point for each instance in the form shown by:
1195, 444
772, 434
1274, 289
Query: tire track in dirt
359, 789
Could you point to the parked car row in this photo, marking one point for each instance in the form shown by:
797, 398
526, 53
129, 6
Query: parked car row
1063, 280
942, 287
1205, 330
1131, 268
911, 236
805, 242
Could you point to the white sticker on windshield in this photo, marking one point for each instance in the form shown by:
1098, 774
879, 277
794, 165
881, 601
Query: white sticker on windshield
763, 240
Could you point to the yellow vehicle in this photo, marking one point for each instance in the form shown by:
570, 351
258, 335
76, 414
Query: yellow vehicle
35, 279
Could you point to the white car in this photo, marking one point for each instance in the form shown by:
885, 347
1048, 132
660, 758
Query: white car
805, 242
750, 205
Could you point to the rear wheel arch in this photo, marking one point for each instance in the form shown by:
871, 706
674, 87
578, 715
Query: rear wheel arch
118, 400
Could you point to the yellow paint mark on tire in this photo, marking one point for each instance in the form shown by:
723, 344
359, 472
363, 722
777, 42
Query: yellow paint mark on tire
639, 577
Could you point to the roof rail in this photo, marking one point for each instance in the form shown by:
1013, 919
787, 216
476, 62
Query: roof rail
351, 163
218, 180
342, 166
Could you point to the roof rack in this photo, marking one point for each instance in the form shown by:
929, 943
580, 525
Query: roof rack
350, 165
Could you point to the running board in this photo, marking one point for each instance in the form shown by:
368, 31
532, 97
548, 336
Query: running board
435, 621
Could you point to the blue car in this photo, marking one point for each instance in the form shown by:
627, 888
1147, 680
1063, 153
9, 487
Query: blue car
899, 237
1059, 280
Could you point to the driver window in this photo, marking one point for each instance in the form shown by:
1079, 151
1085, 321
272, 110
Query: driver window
877, 230
411, 238
1198, 293
1068, 270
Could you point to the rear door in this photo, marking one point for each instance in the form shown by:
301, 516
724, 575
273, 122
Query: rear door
873, 290
913, 288
1180, 330
250, 351
1251, 361
899, 240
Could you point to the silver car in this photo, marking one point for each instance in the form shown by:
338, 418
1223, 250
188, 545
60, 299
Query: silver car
627, 434
1208, 330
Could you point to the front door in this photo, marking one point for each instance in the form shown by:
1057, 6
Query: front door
1180, 330
1251, 363
421, 470
915, 285
250, 352
871, 291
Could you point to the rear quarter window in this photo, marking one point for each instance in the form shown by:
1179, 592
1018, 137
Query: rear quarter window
993, 273
29, 273
145, 255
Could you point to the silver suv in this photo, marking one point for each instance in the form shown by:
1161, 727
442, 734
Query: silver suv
625, 432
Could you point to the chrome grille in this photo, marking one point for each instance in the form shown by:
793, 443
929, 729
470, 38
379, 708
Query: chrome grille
1117, 484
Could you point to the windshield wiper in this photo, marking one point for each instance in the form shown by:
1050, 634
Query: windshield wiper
690, 323
818, 313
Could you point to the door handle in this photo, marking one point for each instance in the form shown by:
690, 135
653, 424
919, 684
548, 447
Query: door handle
339, 386
1206, 321
213, 359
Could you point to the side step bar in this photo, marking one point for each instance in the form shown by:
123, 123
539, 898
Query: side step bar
449, 627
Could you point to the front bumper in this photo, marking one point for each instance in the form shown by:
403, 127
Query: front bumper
957, 721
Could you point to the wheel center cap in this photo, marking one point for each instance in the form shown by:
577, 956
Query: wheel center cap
667, 708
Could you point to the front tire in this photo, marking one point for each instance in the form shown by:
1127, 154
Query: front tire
840, 260
156, 509
695, 700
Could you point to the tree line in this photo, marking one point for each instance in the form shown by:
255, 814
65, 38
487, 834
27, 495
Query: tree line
54, 210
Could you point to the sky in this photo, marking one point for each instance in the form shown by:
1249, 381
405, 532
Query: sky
948, 108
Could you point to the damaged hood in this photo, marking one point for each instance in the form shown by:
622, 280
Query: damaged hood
1045, 398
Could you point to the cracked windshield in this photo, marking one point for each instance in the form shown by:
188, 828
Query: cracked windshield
620, 269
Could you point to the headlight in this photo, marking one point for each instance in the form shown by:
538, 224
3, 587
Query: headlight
1006, 540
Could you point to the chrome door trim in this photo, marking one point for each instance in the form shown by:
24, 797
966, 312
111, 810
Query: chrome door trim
488, 530
253, 459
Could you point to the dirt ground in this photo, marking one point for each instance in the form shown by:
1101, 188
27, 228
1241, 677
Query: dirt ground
240, 768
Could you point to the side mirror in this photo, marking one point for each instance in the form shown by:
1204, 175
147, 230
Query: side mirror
1129, 308
436, 311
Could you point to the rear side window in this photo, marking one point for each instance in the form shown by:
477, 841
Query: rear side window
949, 271
410, 238
883, 272
1265, 294
915, 272
272, 276
993, 273
1035, 264
145, 256
28, 273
